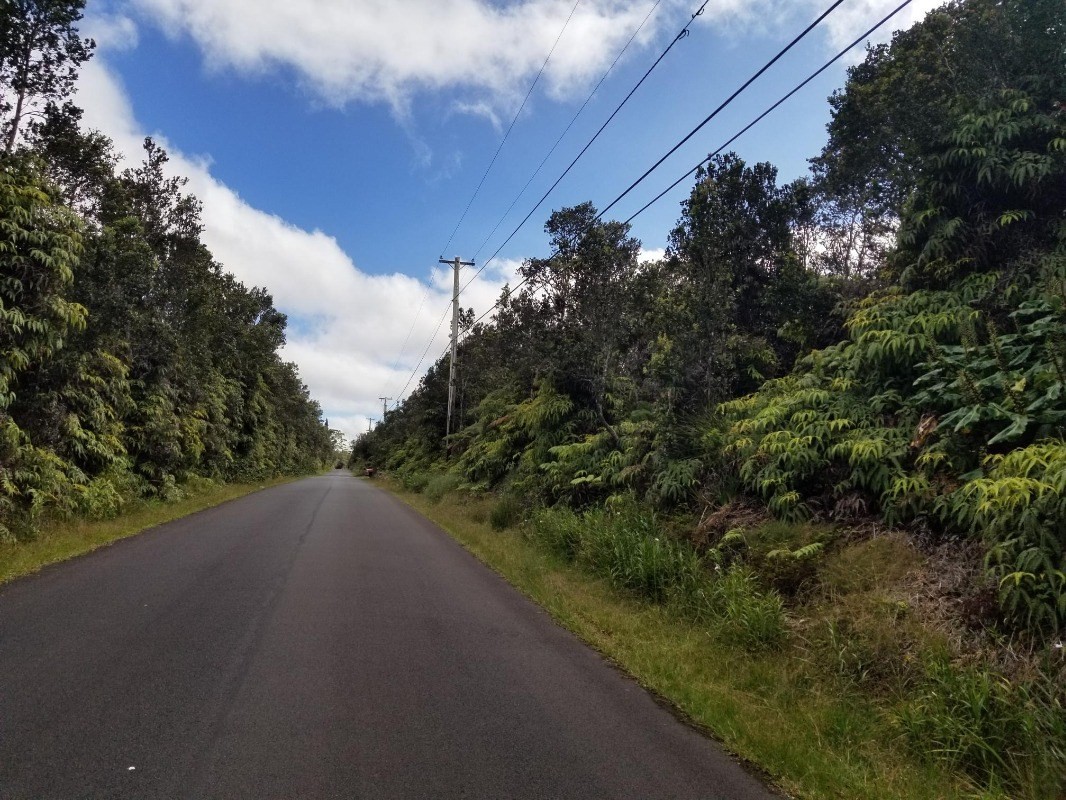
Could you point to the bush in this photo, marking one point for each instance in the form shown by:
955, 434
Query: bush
415, 481
440, 485
557, 530
753, 618
1006, 735
627, 547
505, 513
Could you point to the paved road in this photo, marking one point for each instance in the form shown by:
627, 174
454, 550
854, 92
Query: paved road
318, 640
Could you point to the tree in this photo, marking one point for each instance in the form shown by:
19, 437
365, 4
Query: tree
902, 100
577, 301
734, 281
40, 52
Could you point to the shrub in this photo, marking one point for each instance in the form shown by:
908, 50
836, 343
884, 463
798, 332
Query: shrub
628, 548
415, 481
1005, 735
505, 513
440, 485
1020, 510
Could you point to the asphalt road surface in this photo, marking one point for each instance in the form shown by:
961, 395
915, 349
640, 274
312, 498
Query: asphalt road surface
319, 640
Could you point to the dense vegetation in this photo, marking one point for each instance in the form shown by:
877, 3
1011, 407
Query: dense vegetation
881, 344
130, 361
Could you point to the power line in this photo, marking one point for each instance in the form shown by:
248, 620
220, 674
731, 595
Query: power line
507, 133
407, 338
765, 113
432, 339
510, 127
683, 33
687, 136
736, 136
702, 124
725, 103
569, 125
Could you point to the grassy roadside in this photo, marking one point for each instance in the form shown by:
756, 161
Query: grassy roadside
60, 540
814, 736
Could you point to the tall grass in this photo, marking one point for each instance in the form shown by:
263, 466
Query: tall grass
1005, 735
440, 485
626, 546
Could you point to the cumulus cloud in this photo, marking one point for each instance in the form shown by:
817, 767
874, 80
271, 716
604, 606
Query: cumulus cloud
386, 51
348, 327
742, 17
390, 51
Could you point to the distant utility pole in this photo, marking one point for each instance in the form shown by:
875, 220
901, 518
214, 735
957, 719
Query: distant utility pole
457, 264
384, 406
369, 424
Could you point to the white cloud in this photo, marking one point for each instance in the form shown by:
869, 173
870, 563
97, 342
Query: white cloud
741, 17
352, 325
651, 254
389, 50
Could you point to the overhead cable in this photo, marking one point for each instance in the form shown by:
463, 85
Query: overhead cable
569, 125
510, 127
737, 135
759, 118
681, 35
724, 103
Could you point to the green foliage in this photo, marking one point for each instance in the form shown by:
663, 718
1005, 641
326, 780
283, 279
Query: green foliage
1020, 511
629, 548
440, 485
1004, 734
130, 363
879, 339
506, 512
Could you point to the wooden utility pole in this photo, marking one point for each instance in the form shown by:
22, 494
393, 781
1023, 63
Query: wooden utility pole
384, 406
457, 264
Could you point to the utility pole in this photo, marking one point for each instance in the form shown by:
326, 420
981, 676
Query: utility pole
384, 406
457, 264
369, 424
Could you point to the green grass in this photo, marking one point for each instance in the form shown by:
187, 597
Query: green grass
59, 540
813, 734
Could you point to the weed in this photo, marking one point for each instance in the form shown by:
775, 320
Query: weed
440, 485
1003, 734
505, 513
630, 549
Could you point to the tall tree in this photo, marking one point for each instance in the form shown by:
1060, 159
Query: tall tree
40, 52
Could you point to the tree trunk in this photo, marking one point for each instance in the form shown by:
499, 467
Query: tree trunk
15, 120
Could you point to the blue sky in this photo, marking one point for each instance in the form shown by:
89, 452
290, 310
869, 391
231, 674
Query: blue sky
335, 145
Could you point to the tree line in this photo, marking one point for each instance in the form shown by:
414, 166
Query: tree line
130, 360
884, 337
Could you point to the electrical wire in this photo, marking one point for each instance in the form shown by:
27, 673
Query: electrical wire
725, 103
765, 113
569, 125
702, 124
684, 32
425, 352
740, 133
510, 127
488, 169
687, 136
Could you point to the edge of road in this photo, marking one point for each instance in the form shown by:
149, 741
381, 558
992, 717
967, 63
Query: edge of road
61, 540
567, 621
